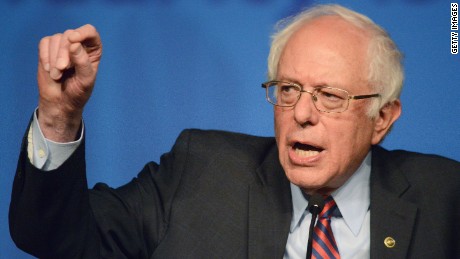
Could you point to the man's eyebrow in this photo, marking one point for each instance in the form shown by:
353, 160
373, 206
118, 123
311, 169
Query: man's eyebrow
314, 85
289, 80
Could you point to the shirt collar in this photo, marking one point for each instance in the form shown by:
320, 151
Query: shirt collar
352, 199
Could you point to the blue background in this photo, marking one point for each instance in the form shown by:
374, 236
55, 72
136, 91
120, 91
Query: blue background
174, 64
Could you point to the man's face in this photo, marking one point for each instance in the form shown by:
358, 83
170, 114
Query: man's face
320, 151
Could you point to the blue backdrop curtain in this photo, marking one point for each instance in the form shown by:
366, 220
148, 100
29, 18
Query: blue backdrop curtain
175, 64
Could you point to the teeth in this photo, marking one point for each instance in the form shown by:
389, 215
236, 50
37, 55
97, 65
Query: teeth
306, 153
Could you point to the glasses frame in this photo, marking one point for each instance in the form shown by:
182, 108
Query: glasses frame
267, 84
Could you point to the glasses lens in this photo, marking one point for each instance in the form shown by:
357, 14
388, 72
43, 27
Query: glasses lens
331, 99
283, 94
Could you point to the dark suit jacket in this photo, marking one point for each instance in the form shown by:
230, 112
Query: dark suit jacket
223, 195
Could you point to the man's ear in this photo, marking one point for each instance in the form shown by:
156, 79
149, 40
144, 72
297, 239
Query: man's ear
388, 114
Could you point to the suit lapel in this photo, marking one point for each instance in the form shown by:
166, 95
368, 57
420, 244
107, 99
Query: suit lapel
270, 210
392, 219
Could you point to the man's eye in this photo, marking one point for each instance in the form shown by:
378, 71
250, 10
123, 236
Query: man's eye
288, 88
331, 95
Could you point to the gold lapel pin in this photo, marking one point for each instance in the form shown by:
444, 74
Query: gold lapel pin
389, 242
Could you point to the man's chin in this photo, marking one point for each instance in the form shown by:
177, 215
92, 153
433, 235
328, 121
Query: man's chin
306, 178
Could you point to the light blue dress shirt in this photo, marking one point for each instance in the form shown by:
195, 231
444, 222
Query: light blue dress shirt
351, 232
44, 153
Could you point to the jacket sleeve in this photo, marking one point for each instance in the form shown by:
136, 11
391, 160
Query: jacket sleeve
54, 215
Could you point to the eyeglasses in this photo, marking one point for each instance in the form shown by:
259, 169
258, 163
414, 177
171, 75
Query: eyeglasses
325, 99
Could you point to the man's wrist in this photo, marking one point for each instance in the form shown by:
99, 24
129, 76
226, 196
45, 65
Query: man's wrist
47, 154
58, 127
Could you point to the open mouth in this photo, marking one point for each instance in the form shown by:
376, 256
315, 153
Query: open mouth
304, 150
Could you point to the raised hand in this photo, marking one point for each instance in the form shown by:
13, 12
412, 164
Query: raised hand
67, 69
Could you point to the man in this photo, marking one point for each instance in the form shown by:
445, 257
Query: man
334, 79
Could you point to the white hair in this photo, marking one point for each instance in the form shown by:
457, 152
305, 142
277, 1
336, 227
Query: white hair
386, 73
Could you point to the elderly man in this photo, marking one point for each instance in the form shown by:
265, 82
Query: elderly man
334, 80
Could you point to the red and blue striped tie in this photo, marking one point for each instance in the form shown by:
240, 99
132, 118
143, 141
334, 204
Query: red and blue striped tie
323, 244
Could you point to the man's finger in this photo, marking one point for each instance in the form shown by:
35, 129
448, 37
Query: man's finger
54, 49
87, 35
63, 59
80, 60
43, 53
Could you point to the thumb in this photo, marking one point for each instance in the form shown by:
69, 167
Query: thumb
80, 60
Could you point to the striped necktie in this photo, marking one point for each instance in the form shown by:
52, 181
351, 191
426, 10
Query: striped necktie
323, 244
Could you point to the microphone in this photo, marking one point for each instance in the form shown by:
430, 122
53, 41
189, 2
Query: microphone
315, 206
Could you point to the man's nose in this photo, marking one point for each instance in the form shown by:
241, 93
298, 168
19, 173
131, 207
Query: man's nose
305, 112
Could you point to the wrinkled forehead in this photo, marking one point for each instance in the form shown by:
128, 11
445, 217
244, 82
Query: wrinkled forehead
327, 46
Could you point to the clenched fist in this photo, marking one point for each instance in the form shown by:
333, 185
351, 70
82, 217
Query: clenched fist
67, 69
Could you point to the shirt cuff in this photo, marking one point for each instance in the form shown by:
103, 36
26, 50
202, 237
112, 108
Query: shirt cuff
45, 154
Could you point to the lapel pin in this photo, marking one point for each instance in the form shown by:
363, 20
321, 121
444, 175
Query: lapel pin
389, 242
